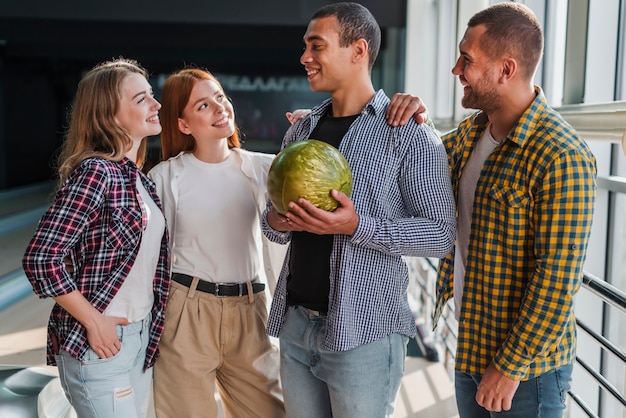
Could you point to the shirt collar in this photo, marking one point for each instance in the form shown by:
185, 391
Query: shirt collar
527, 124
133, 171
377, 104
127, 163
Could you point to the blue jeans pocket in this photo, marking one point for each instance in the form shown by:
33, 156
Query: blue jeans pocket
563, 377
553, 387
91, 357
60, 360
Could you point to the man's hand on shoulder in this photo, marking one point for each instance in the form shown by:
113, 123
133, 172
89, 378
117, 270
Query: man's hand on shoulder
402, 107
296, 115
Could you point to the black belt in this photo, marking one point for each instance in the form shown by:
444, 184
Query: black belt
218, 289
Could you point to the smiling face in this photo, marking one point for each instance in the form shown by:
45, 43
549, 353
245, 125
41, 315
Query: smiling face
326, 63
138, 111
208, 113
477, 72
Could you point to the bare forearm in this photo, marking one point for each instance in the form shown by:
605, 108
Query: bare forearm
80, 308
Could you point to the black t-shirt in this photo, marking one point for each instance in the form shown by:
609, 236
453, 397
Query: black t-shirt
308, 283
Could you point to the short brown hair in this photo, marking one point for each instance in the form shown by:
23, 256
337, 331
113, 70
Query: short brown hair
511, 28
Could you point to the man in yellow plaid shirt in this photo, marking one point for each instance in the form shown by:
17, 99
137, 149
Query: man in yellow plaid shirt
525, 187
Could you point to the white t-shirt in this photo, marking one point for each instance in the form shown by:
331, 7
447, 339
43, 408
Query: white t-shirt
135, 298
485, 145
216, 222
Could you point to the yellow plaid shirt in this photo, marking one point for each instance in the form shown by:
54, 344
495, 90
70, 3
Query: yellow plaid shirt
531, 221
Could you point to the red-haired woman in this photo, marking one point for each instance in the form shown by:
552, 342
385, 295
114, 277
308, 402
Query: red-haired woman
214, 193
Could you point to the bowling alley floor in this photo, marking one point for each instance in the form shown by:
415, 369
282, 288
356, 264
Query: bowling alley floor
426, 390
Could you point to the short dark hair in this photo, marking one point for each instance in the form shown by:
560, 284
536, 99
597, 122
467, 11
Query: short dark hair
514, 29
355, 22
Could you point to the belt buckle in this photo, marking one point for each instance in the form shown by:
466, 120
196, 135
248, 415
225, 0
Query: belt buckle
217, 290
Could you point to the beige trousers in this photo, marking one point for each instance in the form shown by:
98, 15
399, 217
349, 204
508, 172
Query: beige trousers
208, 340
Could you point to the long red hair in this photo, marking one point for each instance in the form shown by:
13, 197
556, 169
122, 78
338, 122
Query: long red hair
176, 92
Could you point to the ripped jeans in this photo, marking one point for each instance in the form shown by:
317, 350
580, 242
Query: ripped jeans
110, 387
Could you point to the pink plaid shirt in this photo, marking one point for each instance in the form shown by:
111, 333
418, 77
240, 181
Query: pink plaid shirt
96, 220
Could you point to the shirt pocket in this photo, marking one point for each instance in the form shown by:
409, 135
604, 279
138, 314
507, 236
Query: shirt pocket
509, 219
509, 196
124, 230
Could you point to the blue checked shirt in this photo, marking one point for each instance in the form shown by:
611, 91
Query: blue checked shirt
403, 196
97, 221
531, 221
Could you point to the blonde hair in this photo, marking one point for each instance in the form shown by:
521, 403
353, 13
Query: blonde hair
93, 130
176, 92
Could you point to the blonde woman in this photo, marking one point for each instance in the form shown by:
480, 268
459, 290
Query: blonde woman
106, 222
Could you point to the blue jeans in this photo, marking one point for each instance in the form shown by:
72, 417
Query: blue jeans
541, 397
110, 387
317, 383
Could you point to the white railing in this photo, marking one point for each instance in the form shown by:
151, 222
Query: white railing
598, 122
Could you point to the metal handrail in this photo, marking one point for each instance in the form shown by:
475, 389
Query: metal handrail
583, 405
601, 380
603, 341
605, 291
615, 298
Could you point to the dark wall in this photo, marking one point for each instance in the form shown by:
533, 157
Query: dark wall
46, 46
37, 95
389, 13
